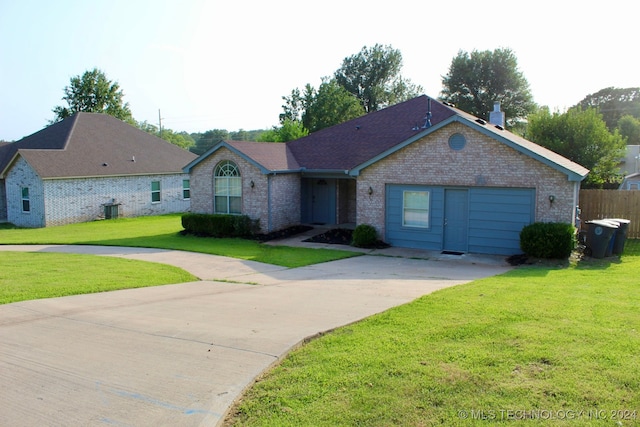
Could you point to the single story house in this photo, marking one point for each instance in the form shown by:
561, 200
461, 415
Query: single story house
423, 173
631, 182
90, 166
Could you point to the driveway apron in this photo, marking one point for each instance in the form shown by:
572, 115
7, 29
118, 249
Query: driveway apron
181, 354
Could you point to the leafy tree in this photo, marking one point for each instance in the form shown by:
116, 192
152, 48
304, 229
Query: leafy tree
373, 76
209, 139
289, 131
94, 93
581, 136
181, 139
629, 127
475, 81
613, 103
330, 105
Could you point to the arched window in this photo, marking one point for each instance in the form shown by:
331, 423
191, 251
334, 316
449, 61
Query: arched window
227, 188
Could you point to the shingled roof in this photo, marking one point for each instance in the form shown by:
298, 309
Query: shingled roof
353, 145
92, 145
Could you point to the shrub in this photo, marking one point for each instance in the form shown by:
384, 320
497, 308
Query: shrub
552, 240
364, 236
218, 225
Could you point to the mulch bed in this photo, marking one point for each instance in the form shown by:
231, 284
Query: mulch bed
281, 234
341, 236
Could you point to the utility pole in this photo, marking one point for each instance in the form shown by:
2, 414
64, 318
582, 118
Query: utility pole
159, 123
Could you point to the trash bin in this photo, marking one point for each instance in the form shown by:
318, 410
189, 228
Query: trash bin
599, 237
620, 236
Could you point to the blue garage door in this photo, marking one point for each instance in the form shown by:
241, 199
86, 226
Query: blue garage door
494, 220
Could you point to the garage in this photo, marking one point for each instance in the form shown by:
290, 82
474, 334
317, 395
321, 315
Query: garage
458, 219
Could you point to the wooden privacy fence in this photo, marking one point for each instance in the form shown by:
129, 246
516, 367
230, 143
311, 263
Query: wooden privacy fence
598, 204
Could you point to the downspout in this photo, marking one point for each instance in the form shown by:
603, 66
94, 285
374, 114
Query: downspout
268, 203
576, 204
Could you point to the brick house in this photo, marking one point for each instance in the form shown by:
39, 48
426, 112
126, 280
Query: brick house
90, 166
424, 174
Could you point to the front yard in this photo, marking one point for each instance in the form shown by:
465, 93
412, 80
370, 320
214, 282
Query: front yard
537, 345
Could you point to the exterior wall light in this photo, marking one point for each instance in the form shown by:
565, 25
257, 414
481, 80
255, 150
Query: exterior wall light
252, 184
370, 191
552, 199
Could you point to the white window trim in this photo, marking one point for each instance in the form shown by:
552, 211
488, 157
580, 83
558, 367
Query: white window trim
23, 199
427, 210
186, 189
159, 191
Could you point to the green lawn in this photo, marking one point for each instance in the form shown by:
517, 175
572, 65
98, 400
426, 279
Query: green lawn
163, 232
537, 345
29, 275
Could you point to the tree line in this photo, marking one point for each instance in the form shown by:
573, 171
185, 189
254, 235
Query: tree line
592, 133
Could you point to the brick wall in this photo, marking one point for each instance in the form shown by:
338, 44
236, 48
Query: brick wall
284, 190
19, 176
3, 201
483, 162
82, 199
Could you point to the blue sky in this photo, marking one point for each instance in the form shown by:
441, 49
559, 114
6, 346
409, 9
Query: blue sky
227, 64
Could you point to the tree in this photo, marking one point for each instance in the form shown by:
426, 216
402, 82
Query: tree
373, 76
289, 131
613, 103
181, 139
330, 105
93, 93
583, 137
209, 139
629, 128
476, 81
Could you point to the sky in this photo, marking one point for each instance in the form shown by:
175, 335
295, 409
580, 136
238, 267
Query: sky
201, 65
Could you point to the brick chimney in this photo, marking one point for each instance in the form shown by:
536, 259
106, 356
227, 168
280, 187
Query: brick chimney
496, 117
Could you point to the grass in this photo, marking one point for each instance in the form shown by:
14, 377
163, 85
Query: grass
27, 276
163, 232
535, 344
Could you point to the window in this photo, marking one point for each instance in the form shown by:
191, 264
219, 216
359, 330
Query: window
227, 188
155, 191
415, 209
26, 203
186, 189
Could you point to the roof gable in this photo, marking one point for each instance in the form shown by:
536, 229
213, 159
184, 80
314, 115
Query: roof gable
90, 144
267, 156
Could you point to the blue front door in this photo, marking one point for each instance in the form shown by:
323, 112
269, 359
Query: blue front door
456, 220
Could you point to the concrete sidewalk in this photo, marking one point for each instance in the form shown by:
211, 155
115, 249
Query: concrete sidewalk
179, 355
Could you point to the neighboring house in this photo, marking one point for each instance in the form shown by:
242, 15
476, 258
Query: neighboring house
90, 166
631, 182
630, 164
424, 174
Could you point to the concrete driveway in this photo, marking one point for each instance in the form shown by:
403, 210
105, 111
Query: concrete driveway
179, 355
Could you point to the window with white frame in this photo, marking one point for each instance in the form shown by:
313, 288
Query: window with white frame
155, 191
227, 188
26, 201
186, 189
415, 209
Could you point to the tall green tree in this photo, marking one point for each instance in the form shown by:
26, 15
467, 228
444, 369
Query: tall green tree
329, 105
332, 104
477, 80
93, 92
373, 76
289, 131
629, 127
583, 137
209, 139
613, 103
181, 139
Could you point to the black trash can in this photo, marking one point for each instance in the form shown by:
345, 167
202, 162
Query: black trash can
599, 237
620, 236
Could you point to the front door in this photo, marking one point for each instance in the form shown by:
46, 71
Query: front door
456, 220
321, 202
